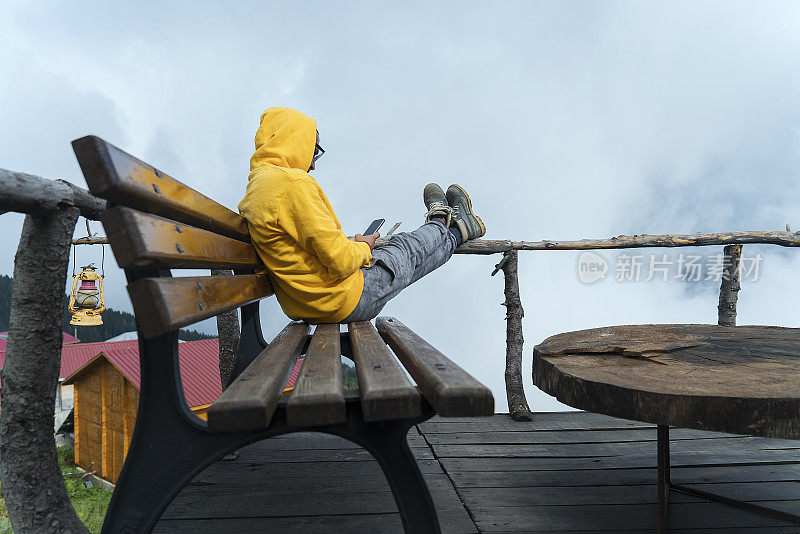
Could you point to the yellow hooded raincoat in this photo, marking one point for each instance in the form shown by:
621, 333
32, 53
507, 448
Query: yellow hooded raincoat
314, 268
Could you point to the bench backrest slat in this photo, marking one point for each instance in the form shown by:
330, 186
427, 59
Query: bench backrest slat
117, 176
251, 399
157, 222
386, 391
140, 240
449, 389
318, 395
166, 304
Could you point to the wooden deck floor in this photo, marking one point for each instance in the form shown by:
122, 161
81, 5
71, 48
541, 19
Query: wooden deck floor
565, 472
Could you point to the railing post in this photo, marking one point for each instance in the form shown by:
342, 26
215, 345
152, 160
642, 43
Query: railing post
33, 488
228, 335
517, 403
730, 286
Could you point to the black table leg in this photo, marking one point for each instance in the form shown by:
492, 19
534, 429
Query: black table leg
663, 477
665, 485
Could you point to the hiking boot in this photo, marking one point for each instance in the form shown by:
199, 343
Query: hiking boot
436, 202
470, 225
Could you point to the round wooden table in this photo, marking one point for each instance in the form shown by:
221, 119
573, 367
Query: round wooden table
741, 380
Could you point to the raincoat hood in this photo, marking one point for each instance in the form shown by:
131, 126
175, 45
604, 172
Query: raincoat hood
285, 138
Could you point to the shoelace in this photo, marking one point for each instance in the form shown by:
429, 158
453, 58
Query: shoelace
439, 209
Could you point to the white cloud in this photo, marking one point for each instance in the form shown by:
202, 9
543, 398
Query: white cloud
564, 120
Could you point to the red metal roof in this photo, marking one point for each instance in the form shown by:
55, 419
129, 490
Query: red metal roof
77, 354
199, 363
67, 339
73, 357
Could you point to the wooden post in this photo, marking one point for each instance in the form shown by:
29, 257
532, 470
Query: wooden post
517, 404
33, 488
228, 333
730, 286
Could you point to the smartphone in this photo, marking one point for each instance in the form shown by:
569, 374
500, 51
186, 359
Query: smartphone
374, 226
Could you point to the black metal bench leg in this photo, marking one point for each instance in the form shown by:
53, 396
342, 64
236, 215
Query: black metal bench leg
408, 485
156, 469
169, 445
387, 443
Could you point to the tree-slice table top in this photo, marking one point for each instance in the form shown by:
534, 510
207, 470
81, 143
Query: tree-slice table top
742, 380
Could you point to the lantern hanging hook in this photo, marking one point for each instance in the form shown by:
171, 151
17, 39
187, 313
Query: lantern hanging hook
102, 250
90, 239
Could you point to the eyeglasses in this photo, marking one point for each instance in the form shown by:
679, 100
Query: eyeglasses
318, 153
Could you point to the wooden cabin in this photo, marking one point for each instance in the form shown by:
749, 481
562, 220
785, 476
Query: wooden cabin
106, 397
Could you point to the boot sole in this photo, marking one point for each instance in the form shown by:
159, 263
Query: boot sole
469, 204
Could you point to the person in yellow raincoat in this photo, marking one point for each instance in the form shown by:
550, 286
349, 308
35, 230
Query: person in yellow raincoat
319, 275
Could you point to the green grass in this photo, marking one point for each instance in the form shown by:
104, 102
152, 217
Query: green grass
5, 524
349, 377
89, 503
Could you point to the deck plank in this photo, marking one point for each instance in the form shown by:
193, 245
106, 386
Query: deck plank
618, 462
617, 518
573, 436
626, 477
452, 522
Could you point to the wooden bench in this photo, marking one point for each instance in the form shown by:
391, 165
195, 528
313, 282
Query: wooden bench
155, 223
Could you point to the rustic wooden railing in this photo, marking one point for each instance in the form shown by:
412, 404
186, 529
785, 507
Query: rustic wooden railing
729, 287
28, 463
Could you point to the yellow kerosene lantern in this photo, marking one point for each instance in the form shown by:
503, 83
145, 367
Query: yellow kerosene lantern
87, 302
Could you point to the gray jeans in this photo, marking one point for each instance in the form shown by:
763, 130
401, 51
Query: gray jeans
403, 260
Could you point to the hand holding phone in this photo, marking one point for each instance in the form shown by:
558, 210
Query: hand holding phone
369, 234
374, 226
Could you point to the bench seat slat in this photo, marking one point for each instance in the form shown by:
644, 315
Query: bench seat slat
140, 240
318, 395
166, 304
450, 389
250, 401
386, 391
115, 175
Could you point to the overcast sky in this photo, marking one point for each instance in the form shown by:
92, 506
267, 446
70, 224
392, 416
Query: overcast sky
564, 120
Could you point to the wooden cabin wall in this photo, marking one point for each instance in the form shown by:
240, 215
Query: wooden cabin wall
89, 419
105, 413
